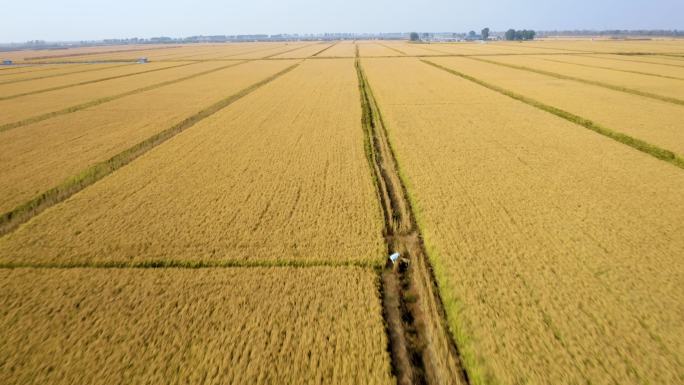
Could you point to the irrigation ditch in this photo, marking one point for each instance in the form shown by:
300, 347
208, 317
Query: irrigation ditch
421, 347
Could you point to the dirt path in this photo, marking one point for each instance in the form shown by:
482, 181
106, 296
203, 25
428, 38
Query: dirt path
423, 351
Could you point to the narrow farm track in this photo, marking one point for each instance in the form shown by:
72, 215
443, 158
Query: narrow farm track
12, 219
636, 143
96, 102
422, 349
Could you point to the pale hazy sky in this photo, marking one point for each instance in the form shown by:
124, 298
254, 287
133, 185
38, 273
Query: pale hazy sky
96, 19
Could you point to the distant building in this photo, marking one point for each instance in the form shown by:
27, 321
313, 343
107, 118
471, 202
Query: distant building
472, 37
143, 60
7, 62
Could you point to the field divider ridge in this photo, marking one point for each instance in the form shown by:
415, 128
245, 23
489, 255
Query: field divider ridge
325, 49
21, 214
286, 51
422, 349
96, 102
89, 82
638, 144
585, 81
394, 49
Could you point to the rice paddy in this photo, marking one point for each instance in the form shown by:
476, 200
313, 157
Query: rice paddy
224, 213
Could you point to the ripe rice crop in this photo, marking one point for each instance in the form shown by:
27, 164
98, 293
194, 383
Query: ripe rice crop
304, 51
552, 265
278, 176
653, 121
62, 54
21, 73
121, 53
670, 88
26, 107
209, 326
104, 71
343, 48
39, 156
621, 65
598, 45
367, 49
648, 59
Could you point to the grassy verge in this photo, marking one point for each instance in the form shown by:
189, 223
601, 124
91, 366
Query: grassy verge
21, 214
655, 151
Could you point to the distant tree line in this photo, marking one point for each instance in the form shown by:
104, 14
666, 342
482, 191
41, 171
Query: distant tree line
613, 32
523, 34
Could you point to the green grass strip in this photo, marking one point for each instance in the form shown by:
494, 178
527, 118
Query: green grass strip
585, 81
92, 103
638, 144
63, 74
12, 219
89, 82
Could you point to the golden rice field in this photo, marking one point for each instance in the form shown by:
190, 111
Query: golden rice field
41, 155
655, 121
221, 215
553, 265
653, 84
26, 107
11, 89
298, 187
22, 73
210, 326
